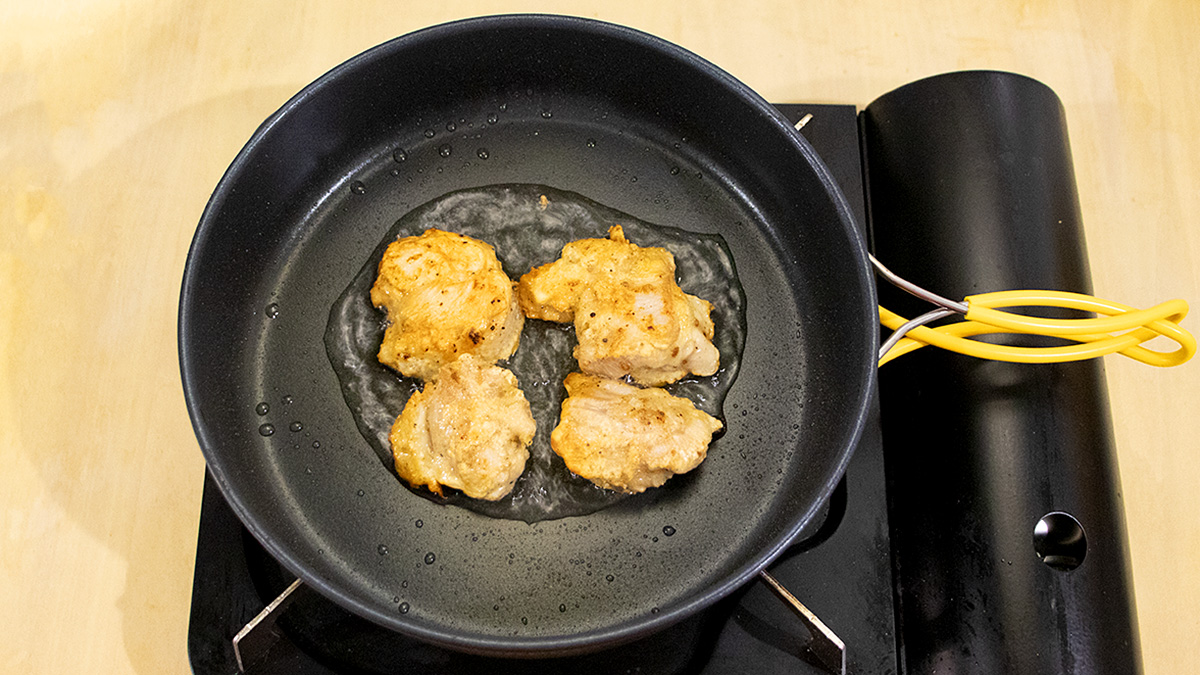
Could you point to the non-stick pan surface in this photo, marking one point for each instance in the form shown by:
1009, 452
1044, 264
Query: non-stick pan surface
624, 119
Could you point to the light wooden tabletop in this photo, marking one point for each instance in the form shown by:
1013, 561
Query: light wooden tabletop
117, 118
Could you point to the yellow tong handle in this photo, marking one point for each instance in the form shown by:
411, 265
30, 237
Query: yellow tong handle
1120, 329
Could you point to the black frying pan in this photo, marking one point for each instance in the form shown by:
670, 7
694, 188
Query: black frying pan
624, 119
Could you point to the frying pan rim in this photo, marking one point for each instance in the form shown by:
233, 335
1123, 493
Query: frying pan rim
543, 645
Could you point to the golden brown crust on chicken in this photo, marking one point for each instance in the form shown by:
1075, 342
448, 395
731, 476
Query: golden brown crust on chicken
445, 295
470, 430
631, 317
625, 438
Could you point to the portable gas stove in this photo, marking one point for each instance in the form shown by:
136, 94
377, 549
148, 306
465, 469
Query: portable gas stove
941, 550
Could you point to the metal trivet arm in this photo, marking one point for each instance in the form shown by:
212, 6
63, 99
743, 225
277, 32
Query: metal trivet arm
825, 645
255, 639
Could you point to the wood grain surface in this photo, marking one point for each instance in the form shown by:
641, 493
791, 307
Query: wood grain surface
117, 118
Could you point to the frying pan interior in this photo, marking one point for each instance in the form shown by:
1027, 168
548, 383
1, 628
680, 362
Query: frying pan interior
621, 118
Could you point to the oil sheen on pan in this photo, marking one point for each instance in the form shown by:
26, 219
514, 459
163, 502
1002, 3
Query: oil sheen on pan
528, 225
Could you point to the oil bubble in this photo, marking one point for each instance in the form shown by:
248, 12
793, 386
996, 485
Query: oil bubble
525, 620
358, 188
668, 530
404, 607
445, 150
674, 171
383, 549
316, 445
562, 608
482, 153
287, 400
591, 142
430, 133
419, 523
361, 493
492, 118
266, 429
272, 310
451, 126
430, 558
399, 155
546, 114
609, 578
296, 427
262, 408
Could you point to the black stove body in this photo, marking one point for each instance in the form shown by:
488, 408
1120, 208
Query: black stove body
926, 558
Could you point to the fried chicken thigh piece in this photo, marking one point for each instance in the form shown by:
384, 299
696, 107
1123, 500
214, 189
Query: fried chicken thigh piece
552, 291
630, 316
445, 295
625, 438
655, 333
469, 430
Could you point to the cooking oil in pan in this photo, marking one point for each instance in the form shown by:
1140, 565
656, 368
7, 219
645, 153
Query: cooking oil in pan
526, 231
